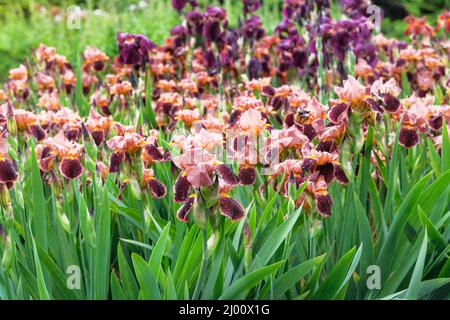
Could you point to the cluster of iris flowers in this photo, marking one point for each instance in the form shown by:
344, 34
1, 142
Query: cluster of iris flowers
229, 107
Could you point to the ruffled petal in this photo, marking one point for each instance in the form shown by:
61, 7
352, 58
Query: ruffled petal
182, 213
71, 168
157, 189
226, 174
231, 208
8, 171
181, 188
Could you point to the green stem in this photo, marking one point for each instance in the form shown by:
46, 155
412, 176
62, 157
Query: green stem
202, 274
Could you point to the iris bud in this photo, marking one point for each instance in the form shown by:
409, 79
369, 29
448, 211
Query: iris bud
200, 213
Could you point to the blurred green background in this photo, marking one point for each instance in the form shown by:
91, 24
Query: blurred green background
24, 24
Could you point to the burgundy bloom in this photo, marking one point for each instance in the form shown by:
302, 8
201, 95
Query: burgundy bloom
251, 5
323, 203
37, 132
134, 48
153, 152
98, 136
391, 103
231, 208
157, 189
227, 175
408, 136
234, 117
327, 171
179, 4
247, 175
211, 30
195, 21
268, 91
254, 68
72, 134
71, 168
181, 188
436, 122
115, 161
340, 175
8, 170
182, 213
337, 112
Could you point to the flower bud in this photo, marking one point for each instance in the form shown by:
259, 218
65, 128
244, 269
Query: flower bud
91, 149
8, 251
4, 196
11, 125
210, 194
11, 120
247, 246
90, 165
212, 242
62, 217
200, 213
135, 188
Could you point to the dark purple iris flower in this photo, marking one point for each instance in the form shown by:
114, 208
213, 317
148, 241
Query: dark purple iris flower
355, 8
179, 4
179, 33
251, 6
253, 28
195, 22
134, 48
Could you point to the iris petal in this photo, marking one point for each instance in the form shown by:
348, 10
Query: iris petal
181, 188
247, 175
8, 171
323, 203
98, 136
115, 161
408, 137
182, 213
71, 168
231, 208
227, 175
157, 189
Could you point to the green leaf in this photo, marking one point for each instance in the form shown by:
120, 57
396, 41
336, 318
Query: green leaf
116, 289
39, 222
293, 276
102, 248
249, 281
445, 158
170, 292
42, 288
416, 278
273, 241
385, 257
365, 234
426, 287
158, 252
147, 281
59, 278
87, 227
336, 278
435, 236
129, 284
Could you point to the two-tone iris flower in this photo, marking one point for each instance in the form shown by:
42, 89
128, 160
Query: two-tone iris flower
8, 167
58, 150
199, 185
98, 126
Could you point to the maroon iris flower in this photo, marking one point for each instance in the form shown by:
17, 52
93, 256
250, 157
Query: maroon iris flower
134, 48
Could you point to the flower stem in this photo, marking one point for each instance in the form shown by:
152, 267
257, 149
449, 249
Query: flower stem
202, 273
